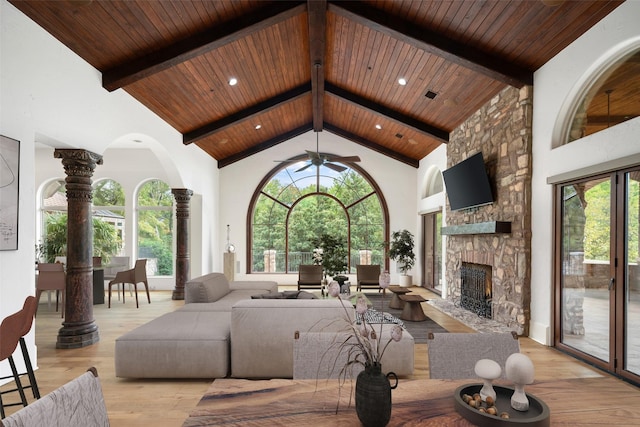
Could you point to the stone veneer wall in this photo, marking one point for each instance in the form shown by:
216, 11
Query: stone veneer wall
502, 131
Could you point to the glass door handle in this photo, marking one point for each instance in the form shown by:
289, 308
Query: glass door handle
611, 282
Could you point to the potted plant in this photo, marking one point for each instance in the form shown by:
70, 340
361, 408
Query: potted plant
401, 251
333, 255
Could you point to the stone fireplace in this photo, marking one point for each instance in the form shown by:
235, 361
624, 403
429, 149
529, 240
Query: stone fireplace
498, 235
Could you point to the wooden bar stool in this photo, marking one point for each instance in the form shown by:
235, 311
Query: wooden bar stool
10, 333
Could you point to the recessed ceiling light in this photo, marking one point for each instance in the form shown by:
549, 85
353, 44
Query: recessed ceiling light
224, 141
378, 127
402, 81
258, 127
412, 141
233, 81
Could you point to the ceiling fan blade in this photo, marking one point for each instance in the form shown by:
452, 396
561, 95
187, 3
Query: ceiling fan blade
304, 167
343, 159
313, 154
336, 168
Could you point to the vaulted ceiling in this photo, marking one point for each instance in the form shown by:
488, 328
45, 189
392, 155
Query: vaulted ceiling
315, 65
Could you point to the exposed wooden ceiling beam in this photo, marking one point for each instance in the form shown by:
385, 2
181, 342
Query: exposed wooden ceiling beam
264, 145
371, 145
432, 131
433, 43
199, 44
260, 108
317, 12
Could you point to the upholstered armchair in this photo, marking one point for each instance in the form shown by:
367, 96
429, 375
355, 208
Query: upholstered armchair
367, 276
310, 276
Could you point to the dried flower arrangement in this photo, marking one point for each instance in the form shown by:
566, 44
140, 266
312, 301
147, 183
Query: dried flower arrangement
363, 344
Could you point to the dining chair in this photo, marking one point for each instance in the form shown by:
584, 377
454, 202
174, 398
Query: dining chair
367, 276
310, 276
51, 277
116, 264
138, 274
454, 355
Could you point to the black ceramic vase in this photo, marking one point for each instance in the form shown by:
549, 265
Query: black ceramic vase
373, 396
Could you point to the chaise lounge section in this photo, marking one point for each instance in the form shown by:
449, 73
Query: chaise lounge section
191, 342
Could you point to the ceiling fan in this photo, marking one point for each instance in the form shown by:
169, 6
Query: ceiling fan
317, 159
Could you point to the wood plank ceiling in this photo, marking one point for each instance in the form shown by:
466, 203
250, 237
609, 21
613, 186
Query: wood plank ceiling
303, 65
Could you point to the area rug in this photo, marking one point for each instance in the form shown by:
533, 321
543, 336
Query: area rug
418, 330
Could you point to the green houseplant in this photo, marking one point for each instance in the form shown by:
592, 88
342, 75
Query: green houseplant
400, 250
333, 254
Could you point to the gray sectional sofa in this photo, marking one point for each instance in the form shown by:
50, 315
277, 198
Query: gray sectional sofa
237, 329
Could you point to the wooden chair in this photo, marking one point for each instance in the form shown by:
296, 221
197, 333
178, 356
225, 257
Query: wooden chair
367, 276
80, 402
51, 277
138, 274
454, 356
309, 276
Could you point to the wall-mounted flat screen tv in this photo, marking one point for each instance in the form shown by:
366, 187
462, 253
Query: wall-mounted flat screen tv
467, 184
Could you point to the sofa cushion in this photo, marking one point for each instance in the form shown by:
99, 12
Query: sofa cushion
286, 295
176, 345
266, 285
208, 288
262, 332
223, 304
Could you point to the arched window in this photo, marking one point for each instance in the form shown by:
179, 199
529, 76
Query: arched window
613, 98
433, 182
155, 227
108, 206
291, 208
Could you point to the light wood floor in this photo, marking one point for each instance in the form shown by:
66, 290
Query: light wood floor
168, 402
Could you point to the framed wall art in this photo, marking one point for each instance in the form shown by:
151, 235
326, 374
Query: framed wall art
9, 192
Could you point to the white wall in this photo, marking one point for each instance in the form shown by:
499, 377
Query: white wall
239, 180
49, 95
436, 160
555, 86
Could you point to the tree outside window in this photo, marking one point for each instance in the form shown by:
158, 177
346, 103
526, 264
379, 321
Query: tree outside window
155, 227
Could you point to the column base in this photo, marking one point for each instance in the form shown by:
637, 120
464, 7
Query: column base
178, 294
77, 337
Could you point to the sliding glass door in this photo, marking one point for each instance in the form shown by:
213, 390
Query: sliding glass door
597, 285
432, 245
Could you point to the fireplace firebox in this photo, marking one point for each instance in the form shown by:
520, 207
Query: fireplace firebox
476, 288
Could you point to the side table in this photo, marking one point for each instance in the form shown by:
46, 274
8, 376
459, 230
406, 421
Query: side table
412, 310
396, 302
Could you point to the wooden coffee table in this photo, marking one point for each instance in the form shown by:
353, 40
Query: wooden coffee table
396, 302
412, 310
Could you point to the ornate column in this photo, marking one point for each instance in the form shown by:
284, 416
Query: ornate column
182, 196
79, 328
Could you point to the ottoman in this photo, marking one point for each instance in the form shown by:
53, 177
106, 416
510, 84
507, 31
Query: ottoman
181, 344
